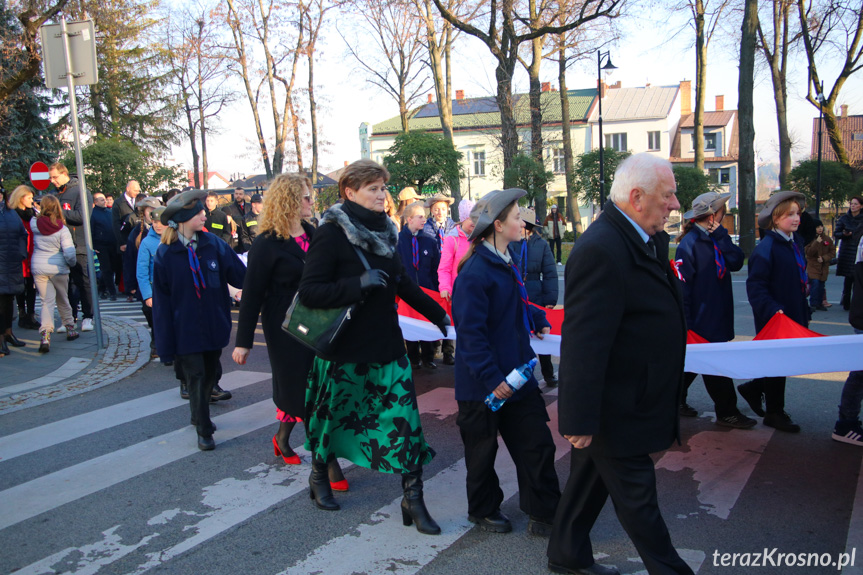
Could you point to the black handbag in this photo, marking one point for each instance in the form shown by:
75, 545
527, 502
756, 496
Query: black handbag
319, 328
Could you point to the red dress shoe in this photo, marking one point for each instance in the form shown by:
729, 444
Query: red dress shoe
292, 460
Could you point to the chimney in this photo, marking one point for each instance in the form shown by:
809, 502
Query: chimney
615, 86
346, 163
430, 98
720, 103
459, 94
685, 97
602, 89
546, 86
844, 110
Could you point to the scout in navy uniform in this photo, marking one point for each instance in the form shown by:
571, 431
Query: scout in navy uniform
191, 305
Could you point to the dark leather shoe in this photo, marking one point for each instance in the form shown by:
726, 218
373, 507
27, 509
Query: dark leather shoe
595, 569
430, 364
206, 443
448, 359
219, 394
539, 527
687, 410
497, 522
753, 397
184, 391
781, 422
14, 341
550, 381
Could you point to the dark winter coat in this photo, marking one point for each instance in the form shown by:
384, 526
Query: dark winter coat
708, 302
623, 341
331, 278
124, 218
26, 215
73, 210
238, 213
182, 322
102, 227
130, 259
13, 251
492, 339
274, 272
826, 251
430, 230
250, 225
774, 281
425, 275
540, 277
217, 224
848, 248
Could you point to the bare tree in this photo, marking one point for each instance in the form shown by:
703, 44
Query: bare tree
391, 51
746, 112
832, 31
774, 45
505, 31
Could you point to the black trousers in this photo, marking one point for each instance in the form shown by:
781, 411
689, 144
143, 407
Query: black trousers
631, 482
148, 314
418, 350
719, 388
773, 389
556, 244
78, 276
6, 312
107, 261
523, 425
27, 300
200, 372
546, 366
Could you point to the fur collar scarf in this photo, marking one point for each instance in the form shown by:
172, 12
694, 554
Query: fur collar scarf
378, 243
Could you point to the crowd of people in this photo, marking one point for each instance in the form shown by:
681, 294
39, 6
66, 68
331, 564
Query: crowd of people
622, 393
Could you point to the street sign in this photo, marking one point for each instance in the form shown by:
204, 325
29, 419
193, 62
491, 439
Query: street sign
82, 53
39, 176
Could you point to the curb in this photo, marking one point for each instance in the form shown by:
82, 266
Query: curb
128, 350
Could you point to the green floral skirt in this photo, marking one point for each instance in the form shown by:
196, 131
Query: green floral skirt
365, 413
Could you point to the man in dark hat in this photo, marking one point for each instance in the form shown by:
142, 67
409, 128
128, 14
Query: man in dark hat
250, 221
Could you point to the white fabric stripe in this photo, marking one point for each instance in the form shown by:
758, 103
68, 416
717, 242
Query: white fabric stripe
31, 440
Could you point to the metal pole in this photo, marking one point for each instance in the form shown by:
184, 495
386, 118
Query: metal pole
86, 207
601, 144
818, 172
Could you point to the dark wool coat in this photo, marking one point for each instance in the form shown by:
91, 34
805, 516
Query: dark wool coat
238, 213
124, 218
708, 303
623, 341
70, 200
774, 281
540, 278
101, 225
492, 338
272, 278
217, 224
182, 322
425, 275
331, 278
26, 215
826, 251
13, 251
855, 316
848, 248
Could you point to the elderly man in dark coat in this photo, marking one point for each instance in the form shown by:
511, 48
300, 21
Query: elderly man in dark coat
622, 350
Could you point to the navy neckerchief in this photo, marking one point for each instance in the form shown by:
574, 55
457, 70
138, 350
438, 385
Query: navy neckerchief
526, 316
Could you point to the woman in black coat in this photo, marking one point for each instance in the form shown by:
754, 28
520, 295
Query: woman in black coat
849, 229
13, 251
276, 262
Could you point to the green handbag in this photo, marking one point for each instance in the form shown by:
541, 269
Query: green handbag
319, 328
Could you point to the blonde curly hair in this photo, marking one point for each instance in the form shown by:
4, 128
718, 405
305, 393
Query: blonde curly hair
283, 204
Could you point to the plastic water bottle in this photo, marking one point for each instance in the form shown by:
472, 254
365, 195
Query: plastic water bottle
514, 380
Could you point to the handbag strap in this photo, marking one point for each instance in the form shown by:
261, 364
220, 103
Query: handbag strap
362, 257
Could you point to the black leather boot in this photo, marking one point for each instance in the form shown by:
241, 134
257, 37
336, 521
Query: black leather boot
319, 487
4, 349
413, 507
12, 340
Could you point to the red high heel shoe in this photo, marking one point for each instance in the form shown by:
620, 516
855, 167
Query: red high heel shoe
292, 460
339, 485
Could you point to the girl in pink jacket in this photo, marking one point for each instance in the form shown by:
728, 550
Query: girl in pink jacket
454, 247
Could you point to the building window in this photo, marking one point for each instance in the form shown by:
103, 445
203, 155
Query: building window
616, 141
710, 142
479, 163
721, 176
653, 141
858, 136
558, 160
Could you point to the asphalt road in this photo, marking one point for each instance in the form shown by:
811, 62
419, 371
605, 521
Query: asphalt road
110, 481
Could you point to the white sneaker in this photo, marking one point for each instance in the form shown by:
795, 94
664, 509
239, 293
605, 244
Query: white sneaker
61, 329
87, 324
560, 264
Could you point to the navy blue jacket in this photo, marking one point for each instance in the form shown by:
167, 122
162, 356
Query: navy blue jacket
425, 275
13, 251
540, 277
491, 337
182, 322
774, 281
102, 227
708, 303
429, 230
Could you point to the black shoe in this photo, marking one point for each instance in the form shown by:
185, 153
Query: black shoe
595, 569
320, 489
219, 394
184, 391
539, 527
4, 349
112, 298
753, 397
497, 522
430, 364
413, 507
168, 363
28, 322
448, 359
206, 443
550, 381
687, 410
781, 422
736, 421
14, 341
415, 365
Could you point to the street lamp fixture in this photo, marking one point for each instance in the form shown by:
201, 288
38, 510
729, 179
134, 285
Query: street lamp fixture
820, 98
600, 55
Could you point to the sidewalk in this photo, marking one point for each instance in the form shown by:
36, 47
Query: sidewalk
30, 378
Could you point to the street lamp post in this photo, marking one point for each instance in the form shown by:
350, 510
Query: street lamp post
599, 68
818, 170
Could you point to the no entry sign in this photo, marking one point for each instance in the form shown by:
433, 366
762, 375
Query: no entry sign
39, 176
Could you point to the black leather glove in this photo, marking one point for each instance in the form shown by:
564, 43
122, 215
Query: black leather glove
441, 325
372, 279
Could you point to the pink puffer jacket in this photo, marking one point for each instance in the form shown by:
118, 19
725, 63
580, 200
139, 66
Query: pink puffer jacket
454, 247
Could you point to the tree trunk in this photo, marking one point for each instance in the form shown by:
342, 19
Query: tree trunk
700, 79
192, 141
541, 202
313, 112
508, 132
205, 167
96, 104
572, 212
403, 109
746, 111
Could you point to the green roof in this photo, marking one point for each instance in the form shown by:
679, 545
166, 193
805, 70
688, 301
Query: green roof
483, 112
